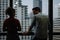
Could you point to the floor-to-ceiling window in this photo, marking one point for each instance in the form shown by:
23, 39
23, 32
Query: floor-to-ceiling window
56, 19
23, 10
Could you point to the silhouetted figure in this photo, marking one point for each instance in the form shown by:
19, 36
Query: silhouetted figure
12, 24
40, 24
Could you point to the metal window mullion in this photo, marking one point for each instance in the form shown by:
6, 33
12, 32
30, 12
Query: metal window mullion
51, 19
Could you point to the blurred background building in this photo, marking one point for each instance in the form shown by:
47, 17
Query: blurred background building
56, 20
37, 3
3, 5
59, 11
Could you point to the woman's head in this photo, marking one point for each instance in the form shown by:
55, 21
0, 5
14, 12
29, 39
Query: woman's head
10, 11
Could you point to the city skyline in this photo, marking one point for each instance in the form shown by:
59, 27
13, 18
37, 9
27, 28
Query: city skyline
30, 6
44, 6
55, 8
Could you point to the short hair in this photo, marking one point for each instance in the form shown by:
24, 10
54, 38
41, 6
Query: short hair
10, 11
37, 8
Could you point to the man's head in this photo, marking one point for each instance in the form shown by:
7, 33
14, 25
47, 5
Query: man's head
36, 10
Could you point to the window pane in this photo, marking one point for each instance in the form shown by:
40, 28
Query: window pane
56, 18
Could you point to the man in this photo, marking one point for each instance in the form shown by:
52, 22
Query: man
40, 24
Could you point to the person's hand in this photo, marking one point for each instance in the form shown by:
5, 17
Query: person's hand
25, 33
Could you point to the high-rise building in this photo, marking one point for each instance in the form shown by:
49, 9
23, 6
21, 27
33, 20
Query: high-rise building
21, 12
19, 3
56, 23
15, 6
22, 15
3, 5
58, 11
37, 3
56, 28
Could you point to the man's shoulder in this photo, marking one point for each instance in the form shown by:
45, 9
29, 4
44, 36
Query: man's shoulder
42, 16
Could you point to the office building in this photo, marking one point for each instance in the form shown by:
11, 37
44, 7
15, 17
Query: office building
37, 3
58, 11
21, 14
3, 5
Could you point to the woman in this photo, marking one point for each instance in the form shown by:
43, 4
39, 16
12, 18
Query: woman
12, 24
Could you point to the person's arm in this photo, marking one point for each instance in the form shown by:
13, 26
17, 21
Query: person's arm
19, 26
33, 24
4, 25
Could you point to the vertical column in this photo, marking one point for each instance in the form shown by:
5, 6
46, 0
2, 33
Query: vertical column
51, 19
11, 3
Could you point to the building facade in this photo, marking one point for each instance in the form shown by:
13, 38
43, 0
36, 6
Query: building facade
21, 14
37, 3
3, 5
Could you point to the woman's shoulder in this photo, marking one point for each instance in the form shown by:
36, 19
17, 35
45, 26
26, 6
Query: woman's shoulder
16, 19
6, 21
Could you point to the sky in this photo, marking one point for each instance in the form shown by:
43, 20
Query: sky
29, 3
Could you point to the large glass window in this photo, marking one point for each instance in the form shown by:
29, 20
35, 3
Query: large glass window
23, 10
56, 19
